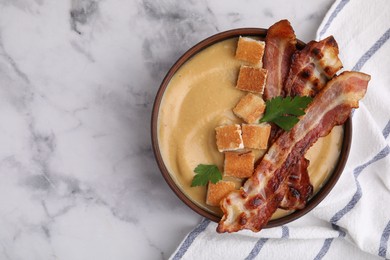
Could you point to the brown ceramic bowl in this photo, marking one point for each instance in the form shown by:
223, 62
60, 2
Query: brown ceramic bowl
313, 202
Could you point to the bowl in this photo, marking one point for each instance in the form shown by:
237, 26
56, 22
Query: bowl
186, 198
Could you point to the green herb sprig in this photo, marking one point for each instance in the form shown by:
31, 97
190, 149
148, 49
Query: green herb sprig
284, 112
206, 173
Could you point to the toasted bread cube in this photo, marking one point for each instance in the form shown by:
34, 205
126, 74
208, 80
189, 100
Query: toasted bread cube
250, 108
239, 165
256, 136
229, 137
252, 79
250, 50
216, 192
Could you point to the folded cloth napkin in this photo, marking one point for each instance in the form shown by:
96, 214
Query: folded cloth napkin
353, 222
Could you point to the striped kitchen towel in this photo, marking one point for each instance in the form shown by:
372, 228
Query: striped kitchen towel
353, 222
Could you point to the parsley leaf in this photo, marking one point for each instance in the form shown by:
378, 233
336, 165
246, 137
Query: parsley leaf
285, 111
206, 173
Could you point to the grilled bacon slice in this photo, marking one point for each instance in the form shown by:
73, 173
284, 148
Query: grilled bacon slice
298, 184
313, 67
280, 45
252, 206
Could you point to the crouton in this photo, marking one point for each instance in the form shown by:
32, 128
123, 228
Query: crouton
252, 79
239, 165
229, 138
216, 192
250, 108
250, 50
256, 136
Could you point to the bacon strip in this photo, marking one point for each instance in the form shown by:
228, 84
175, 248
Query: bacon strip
312, 67
253, 205
279, 48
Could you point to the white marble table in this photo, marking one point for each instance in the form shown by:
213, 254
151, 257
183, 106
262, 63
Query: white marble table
77, 83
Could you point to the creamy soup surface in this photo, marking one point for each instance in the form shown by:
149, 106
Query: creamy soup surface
199, 98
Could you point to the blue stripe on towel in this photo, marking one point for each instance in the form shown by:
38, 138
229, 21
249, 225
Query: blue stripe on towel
386, 130
260, 243
336, 11
341, 232
190, 238
356, 197
351, 204
257, 248
374, 48
285, 232
358, 194
324, 249
366, 56
384, 239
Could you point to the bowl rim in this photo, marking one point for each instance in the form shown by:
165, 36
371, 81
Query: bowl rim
312, 203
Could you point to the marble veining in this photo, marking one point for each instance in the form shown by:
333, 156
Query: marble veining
77, 84
82, 12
